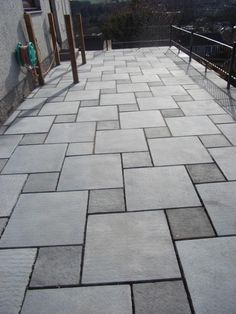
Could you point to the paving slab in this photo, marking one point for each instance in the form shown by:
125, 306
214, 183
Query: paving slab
44, 219
187, 223
182, 126
141, 119
111, 200
100, 85
209, 268
57, 266
8, 144
2, 163
3, 222
158, 188
143, 94
168, 91
89, 103
154, 103
41, 182
134, 87
117, 99
225, 158
117, 141
125, 108
91, 172
229, 130
65, 118
82, 95
10, 189
30, 125
31, 139
134, 160
128, 247
108, 125
15, 270
36, 158
80, 149
97, 113
170, 113
204, 173
219, 200
32, 104
161, 297
56, 108
178, 151
72, 132
211, 141
144, 78
222, 118
84, 300
200, 107
162, 131
200, 94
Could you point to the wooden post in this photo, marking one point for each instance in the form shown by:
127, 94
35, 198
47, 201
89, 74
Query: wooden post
71, 42
54, 37
30, 30
81, 39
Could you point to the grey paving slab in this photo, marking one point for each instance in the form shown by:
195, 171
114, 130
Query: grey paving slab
200, 94
108, 125
30, 139
41, 182
8, 144
117, 99
140, 159
143, 94
108, 91
225, 158
117, 141
98, 113
161, 297
100, 85
128, 247
229, 130
55, 108
89, 103
51, 92
157, 132
57, 266
141, 119
2, 163
154, 103
111, 200
82, 95
170, 113
219, 200
144, 78
125, 108
44, 219
178, 151
168, 91
32, 104
12, 118
30, 125
187, 223
204, 173
200, 107
71, 132
10, 189
182, 126
134, 87
212, 263
116, 76
65, 118
91, 172
3, 222
157, 188
80, 149
182, 98
36, 158
211, 141
222, 118
28, 113
84, 300
15, 270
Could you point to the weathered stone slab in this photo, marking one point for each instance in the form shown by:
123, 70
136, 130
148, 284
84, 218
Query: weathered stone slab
8, 144
30, 125
203, 173
141, 119
111, 200
41, 182
225, 158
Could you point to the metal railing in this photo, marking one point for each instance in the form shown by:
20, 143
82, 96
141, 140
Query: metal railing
212, 53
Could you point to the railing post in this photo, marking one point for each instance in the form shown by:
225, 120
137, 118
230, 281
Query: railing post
71, 42
231, 67
171, 29
30, 30
54, 38
81, 39
191, 46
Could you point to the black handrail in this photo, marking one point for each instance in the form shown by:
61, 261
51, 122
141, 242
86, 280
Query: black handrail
228, 50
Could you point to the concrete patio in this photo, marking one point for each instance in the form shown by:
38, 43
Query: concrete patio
117, 195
